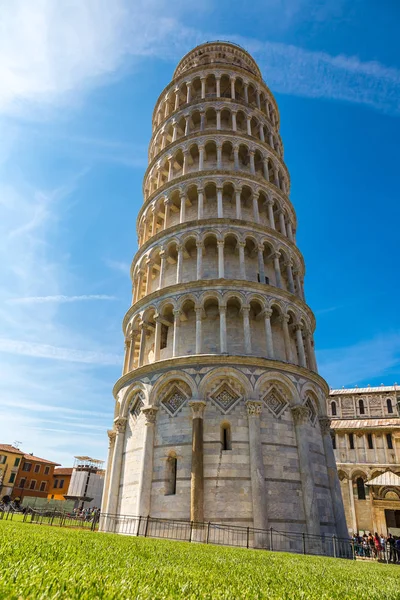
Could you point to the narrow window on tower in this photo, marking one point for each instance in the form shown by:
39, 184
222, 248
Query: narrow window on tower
389, 405
226, 439
389, 441
333, 409
351, 441
361, 407
370, 442
360, 488
170, 483
333, 438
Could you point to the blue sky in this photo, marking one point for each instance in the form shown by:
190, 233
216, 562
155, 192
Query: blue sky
78, 82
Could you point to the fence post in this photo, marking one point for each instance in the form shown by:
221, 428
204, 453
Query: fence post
304, 543
191, 530
52, 518
147, 524
334, 545
270, 539
208, 532
247, 537
138, 527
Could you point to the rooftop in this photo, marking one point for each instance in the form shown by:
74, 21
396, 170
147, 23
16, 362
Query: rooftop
37, 459
365, 390
364, 423
63, 471
10, 448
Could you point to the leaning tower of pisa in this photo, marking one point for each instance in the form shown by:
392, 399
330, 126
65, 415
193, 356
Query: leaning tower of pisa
220, 413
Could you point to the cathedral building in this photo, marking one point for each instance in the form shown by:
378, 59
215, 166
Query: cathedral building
220, 414
366, 439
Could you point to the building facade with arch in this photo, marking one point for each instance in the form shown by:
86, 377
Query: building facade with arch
220, 413
366, 439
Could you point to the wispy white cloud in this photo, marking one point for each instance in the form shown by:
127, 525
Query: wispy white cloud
118, 265
37, 350
60, 299
361, 361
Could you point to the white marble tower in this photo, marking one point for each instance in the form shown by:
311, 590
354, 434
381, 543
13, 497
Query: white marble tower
220, 413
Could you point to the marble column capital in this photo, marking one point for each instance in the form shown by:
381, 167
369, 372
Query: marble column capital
325, 424
254, 408
300, 414
111, 435
120, 424
276, 255
150, 413
197, 407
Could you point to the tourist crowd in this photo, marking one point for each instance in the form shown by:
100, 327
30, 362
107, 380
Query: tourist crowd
377, 546
86, 514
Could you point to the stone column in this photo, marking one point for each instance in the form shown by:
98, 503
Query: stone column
234, 124
142, 347
299, 286
221, 270
271, 218
248, 125
233, 79
218, 119
265, 169
219, 156
202, 120
333, 479
131, 362
199, 317
199, 273
286, 338
220, 210
300, 418
300, 345
246, 92
258, 99
203, 87
201, 158
182, 215
187, 124
261, 267
242, 265
111, 443
115, 475
138, 291
282, 223
170, 167
200, 201
222, 328
218, 86
289, 273
188, 92
310, 352
179, 264
246, 329
146, 471
167, 204
176, 91
268, 334
238, 204
163, 258
255, 208
236, 157
126, 357
149, 265
276, 257
157, 338
174, 130
261, 133
290, 231
175, 342
257, 473
352, 506
252, 166
185, 162
197, 471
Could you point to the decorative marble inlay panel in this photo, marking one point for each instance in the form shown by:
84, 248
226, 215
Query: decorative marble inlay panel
275, 401
225, 397
311, 407
136, 406
174, 399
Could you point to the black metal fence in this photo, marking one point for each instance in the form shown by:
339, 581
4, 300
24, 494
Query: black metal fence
190, 531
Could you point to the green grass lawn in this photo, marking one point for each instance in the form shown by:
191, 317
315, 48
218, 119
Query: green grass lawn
38, 561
